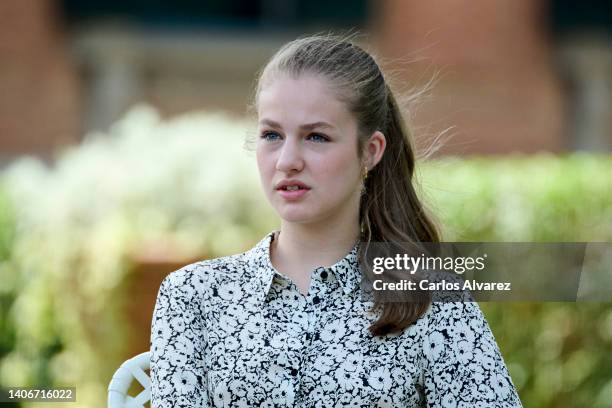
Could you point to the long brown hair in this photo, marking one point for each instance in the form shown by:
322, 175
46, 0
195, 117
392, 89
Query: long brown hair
390, 210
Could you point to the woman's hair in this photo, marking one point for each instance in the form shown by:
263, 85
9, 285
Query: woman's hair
390, 211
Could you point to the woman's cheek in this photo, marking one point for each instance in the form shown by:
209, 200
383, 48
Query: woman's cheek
265, 171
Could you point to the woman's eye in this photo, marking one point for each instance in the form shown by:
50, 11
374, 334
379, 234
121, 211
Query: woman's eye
318, 138
270, 136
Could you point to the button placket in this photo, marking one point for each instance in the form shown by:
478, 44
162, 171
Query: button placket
294, 346
309, 307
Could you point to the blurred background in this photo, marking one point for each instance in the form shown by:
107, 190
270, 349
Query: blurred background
122, 126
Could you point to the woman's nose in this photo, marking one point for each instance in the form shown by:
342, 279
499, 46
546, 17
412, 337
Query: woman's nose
290, 157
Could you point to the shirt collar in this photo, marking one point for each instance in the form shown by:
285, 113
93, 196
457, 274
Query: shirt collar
346, 270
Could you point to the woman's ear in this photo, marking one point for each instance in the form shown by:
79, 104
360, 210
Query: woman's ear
374, 149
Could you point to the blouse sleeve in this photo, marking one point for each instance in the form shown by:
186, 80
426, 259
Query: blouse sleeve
463, 365
177, 363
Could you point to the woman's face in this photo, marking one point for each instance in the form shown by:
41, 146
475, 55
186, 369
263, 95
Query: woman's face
307, 138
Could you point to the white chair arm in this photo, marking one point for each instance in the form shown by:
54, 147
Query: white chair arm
123, 378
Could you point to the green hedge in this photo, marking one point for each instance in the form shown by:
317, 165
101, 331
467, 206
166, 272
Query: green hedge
69, 234
541, 198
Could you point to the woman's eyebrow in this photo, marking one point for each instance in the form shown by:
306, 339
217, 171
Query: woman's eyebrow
308, 126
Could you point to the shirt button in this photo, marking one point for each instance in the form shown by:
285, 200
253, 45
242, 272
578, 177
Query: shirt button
294, 372
323, 275
316, 300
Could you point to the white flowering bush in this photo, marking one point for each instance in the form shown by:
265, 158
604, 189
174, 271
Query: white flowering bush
187, 182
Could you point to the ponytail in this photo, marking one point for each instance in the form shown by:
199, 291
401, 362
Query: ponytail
392, 214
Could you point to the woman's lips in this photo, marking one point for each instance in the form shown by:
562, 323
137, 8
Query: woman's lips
290, 195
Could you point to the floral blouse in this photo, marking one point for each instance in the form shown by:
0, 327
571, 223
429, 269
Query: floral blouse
234, 332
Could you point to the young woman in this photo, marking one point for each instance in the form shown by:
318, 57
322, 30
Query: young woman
286, 324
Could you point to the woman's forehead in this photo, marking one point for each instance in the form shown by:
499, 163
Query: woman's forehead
306, 100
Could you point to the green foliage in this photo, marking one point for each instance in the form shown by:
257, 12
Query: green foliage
70, 232
9, 286
542, 198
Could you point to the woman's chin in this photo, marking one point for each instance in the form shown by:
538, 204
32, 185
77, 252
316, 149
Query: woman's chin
296, 218
296, 215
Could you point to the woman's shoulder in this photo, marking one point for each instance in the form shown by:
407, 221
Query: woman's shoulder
451, 304
454, 317
207, 271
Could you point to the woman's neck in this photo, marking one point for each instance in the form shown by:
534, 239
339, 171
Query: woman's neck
311, 246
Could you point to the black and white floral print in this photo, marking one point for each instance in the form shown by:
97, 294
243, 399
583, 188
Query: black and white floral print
234, 332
